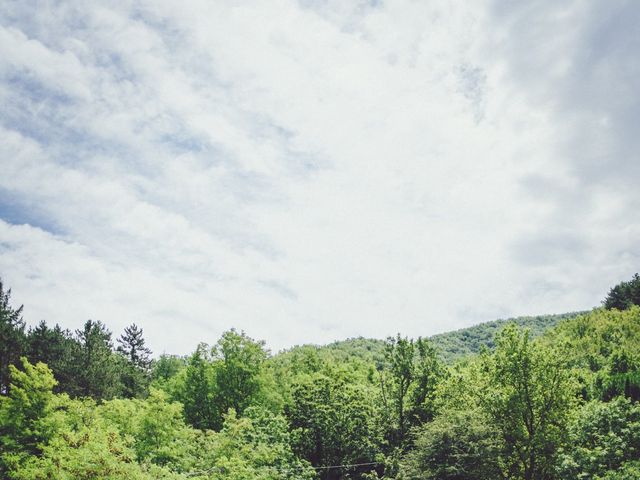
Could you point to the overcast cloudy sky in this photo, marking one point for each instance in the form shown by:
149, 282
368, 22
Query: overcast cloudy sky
314, 170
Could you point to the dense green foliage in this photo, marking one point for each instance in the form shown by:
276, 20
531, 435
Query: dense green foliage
456, 445
555, 400
602, 437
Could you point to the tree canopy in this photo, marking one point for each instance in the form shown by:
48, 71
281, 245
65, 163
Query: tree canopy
552, 399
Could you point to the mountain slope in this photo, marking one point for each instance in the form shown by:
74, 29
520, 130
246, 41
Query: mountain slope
452, 345
467, 341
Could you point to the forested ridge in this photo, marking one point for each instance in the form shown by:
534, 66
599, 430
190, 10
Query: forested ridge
534, 398
451, 346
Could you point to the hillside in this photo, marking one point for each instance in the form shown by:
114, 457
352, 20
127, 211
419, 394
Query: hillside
451, 345
466, 341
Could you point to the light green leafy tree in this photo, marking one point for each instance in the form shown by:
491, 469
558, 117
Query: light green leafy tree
334, 422
256, 446
603, 437
456, 445
602, 348
409, 377
25, 423
238, 362
196, 391
528, 394
228, 376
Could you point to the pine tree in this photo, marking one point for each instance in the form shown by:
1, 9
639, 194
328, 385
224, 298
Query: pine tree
96, 367
132, 346
55, 347
624, 295
136, 373
12, 338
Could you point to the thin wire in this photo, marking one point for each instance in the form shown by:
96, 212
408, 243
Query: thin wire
346, 466
283, 469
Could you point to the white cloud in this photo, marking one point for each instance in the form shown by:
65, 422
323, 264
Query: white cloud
315, 170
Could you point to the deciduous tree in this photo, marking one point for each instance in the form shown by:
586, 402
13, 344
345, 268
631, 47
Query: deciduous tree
23, 414
528, 395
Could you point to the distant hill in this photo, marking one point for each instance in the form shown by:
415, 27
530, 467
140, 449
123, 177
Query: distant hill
452, 345
467, 341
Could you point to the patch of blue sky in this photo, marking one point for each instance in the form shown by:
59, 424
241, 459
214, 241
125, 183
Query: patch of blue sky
20, 15
33, 109
67, 145
17, 210
43, 115
181, 143
172, 36
117, 68
28, 87
300, 163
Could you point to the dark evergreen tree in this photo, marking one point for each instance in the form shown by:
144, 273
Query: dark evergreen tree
624, 295
55, 347
135, 375
40, 344
132, 346
96, 367
12, 337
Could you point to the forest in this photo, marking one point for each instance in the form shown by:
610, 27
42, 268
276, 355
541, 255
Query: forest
533, 398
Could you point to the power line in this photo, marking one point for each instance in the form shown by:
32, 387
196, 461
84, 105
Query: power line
346, 466
285, 469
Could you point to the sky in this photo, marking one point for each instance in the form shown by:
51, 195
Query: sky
308, 171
